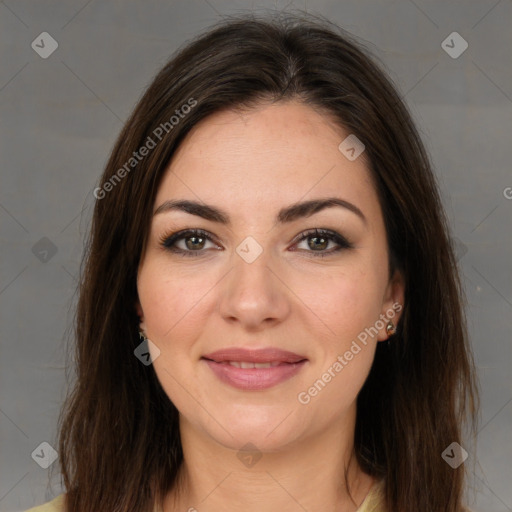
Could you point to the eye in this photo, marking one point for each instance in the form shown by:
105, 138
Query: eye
195, 240
319, 239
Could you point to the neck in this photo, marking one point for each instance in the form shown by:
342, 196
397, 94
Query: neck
306, 475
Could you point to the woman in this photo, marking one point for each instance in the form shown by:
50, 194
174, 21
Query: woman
270, 312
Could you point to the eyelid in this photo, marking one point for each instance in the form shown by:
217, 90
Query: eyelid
332, 235
342, 243
169, 238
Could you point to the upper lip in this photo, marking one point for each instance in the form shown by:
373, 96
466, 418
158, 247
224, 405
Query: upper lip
261, 355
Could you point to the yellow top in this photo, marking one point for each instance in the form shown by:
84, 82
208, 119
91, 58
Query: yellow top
372, 502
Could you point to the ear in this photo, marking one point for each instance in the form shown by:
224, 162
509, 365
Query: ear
393, 303
140, 314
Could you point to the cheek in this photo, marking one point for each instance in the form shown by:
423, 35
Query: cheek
345, 305
344, 302
172, 301
174, 304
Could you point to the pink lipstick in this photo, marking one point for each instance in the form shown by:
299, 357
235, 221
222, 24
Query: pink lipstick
254, 369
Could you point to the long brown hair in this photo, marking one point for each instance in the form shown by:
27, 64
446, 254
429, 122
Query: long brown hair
119, 438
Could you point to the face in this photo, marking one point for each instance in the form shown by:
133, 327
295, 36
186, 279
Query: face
257, 285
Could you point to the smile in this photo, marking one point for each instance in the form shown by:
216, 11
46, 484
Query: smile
254, 369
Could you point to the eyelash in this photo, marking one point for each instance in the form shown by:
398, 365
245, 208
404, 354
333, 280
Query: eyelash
168, 240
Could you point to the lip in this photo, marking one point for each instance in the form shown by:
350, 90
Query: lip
285, 365
260, 355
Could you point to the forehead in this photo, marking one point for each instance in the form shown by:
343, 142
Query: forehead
271, 155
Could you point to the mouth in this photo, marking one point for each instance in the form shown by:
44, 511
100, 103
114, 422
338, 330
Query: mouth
254, 369
248, 364
271, 355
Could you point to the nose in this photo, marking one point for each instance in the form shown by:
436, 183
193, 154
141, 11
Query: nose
253, 294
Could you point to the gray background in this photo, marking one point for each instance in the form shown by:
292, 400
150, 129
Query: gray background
60, 117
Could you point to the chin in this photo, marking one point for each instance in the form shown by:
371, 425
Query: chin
250, 439
266, 431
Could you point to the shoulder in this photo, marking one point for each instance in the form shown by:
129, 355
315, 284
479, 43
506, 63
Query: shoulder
55, 505
374, 501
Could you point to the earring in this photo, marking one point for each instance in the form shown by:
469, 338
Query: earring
390, 328
142, 335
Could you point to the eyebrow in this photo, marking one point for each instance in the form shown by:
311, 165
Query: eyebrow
287, 214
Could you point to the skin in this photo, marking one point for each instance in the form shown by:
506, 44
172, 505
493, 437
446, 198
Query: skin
251, 165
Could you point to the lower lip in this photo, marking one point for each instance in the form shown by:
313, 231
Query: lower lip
254, 378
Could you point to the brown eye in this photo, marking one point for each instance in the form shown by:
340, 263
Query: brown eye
318, 240
195, 240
